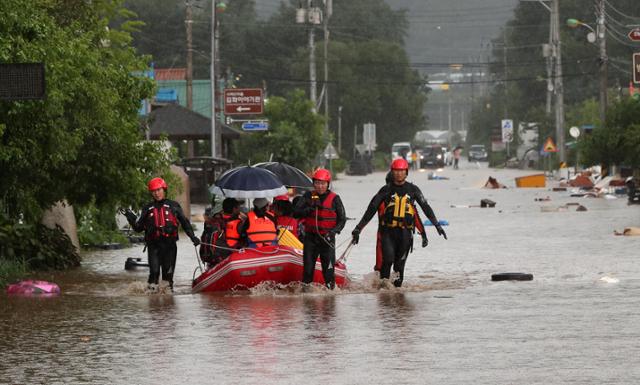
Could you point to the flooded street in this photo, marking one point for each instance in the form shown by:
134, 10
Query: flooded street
576, 322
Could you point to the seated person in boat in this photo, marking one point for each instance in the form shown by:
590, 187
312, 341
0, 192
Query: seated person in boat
214, 226
283, 211
259, 229
229, 236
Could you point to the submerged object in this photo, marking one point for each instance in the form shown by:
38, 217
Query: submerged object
249, 267
32, 287
512, 277
441, 222
131, 263
536, 180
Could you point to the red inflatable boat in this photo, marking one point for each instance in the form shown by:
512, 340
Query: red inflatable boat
249, 267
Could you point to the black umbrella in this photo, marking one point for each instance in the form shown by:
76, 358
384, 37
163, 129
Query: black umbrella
289, 175
248, 182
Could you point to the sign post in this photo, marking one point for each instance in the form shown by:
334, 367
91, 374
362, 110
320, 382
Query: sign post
507, 133
243, 101
636, 68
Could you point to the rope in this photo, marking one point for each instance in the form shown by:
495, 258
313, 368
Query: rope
345, 253
241, 250
198, 257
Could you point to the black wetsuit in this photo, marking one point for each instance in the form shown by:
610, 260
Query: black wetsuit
396, 242
161, 251
316, 244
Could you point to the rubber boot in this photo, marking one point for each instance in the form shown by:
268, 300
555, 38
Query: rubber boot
152, 288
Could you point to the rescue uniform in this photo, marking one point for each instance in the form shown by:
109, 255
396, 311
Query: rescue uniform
322, 222
159, 220
397, 221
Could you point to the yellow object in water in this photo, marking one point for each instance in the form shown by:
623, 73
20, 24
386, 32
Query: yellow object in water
286, 238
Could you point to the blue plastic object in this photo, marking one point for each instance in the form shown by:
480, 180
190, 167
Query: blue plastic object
441, 222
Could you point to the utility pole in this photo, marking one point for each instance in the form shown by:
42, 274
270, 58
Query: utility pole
213, 78
313, 16
189, 75
328, 9
555, 17
602, 34
339, 129
504, 63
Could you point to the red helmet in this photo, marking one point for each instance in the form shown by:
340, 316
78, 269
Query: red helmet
283, 197
400, 164
157, 183
322, 174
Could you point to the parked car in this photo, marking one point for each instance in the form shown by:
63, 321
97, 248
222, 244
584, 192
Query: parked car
478, 152
432, 156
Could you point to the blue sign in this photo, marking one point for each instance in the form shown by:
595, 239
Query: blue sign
255, 126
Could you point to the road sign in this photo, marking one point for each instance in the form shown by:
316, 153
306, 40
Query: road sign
549, 146
636, 68
330, 152
243, 101
634, 34
255, 126
574, 132
507, 130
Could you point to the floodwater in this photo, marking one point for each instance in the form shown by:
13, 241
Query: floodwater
576, 322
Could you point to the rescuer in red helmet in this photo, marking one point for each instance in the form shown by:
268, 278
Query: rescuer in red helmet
159, 220
324, 217
395, 205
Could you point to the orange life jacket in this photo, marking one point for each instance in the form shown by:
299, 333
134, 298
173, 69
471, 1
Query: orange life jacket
261, 230
322, 219
231, 233
165, 223
287, 222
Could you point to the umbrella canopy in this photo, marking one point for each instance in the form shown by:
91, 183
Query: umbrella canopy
289, 175
248, 182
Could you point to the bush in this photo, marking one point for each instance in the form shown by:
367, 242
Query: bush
26, 247
96, 227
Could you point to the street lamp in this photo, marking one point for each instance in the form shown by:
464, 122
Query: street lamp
598, 36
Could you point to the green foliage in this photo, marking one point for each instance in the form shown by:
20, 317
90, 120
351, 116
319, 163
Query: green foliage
618, 142
81, 143
33, 247
97, 226
524, 93
369, 71
294, 137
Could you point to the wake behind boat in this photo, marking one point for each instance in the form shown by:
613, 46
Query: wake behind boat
249, 267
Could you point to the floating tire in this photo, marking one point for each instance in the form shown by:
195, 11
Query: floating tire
512, 277
132, 263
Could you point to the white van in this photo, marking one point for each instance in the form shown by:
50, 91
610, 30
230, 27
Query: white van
401, 150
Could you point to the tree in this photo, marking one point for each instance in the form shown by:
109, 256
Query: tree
82, 142
294, 137
617, 143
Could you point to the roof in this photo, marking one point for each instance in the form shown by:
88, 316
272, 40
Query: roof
180, 123
170, 73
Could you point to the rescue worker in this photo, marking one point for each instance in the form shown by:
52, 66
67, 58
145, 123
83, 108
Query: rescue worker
260, 227
283, 210
324, 217
159, 220
418, 224
395, 205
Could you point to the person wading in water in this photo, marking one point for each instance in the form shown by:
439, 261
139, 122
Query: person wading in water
395, 205
159, 220
324, 217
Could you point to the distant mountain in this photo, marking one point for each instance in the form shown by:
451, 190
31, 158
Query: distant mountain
442, 31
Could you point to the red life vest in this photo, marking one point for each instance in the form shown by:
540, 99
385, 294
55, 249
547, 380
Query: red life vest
323, 218
287, 222
261, 230
165, 223
231, 233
